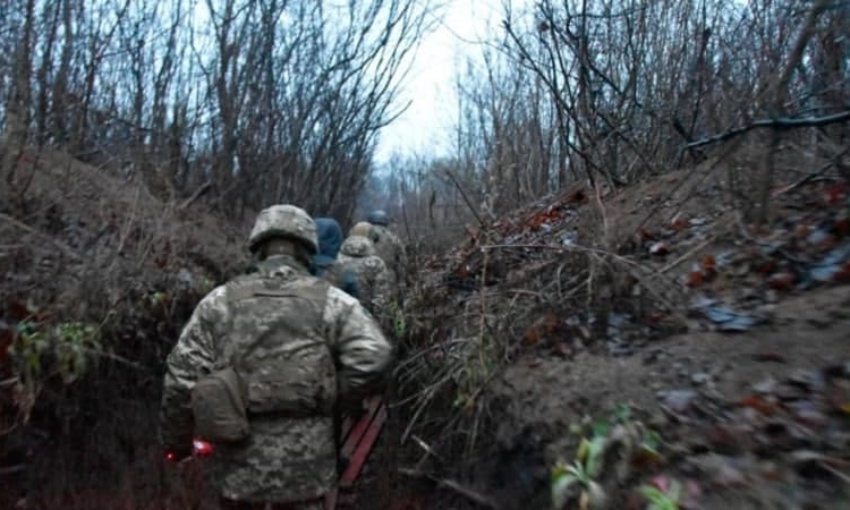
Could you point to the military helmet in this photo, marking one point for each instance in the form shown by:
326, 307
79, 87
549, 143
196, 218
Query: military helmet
362, 228
286, 221
379, 217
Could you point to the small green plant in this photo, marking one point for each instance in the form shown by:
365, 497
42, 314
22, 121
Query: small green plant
205, 285
617, 431
399, 325
662, 500
62, 350
75, 344
583, 471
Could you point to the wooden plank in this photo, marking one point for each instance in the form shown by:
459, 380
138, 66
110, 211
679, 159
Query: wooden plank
360, 429
364, 448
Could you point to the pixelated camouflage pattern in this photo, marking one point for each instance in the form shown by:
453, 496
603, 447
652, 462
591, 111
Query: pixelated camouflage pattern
374, 280
286, 458
391, 250
284, 221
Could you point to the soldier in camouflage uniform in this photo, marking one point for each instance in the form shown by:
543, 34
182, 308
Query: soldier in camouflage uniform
374, 282
303, 349
387, 245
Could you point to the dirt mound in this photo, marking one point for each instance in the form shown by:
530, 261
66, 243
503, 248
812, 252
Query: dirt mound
97, 279
662, 299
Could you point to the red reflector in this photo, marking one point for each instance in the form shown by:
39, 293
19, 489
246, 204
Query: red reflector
202, 448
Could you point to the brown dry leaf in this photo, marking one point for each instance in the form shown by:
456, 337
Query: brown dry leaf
562, 349
769, 357
835, 193
843, 274
759, 404
647, 235
678, 223
802, 231
842, 225
782, 281
659, 248
766, 267
531, 336
695, 279
708, 263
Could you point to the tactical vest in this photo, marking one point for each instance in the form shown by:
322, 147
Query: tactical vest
277, 344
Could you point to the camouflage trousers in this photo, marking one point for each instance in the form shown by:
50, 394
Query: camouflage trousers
229, 504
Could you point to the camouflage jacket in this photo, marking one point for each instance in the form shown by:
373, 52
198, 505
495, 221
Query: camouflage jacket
285, 458
389, 247
374, 282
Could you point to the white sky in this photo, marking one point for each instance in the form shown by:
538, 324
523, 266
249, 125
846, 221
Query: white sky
425, 127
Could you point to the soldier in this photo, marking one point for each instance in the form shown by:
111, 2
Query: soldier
261, 369
374, 282
389, 247
330, 239
325, 260
362, 228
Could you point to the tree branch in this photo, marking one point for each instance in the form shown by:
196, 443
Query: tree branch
779, 124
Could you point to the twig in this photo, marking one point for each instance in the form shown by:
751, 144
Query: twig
422, 444
686, 256
115, 357
9, 382
814, 175
8, 470
195, 196
466, 198
62, 246
452, 485
836, 473
779, 124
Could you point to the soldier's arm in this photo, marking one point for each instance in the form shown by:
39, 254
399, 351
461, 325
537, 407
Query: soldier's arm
191, 358
382, 290
364, 356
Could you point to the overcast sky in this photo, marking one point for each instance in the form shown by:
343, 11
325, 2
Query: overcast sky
425, 127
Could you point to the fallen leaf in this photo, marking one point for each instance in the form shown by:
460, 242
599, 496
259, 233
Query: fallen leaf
835, 193
708, 263
725, 318
562, 349
842, 227
769, 357
659, 248
767, 266
759, 404
802, 231
783, 281
646, 235
695, 279
834, 262
678, 223
843, 274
